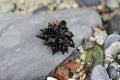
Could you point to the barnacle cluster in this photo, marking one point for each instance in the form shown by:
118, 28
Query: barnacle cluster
57, 36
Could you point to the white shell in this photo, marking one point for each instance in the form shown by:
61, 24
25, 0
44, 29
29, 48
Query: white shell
51, 78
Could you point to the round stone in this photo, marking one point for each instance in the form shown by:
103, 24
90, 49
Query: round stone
114, 25
111, 39
112, 4
112, 71
99, 73
111, 51
113, 64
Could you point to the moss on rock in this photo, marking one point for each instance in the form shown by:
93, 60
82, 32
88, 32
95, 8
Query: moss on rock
97, 53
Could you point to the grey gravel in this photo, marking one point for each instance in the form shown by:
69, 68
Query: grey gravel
99, 73
23, 56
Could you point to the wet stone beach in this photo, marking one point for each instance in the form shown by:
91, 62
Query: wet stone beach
60, 40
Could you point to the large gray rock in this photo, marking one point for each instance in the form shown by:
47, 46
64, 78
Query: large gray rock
23, 56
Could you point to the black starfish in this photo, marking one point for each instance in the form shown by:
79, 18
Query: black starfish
57, 36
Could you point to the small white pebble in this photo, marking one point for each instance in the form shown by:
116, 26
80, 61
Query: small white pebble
51, 78
77, 60
70, 79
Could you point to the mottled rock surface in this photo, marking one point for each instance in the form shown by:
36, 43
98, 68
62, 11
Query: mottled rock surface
111, 51
23, 56
99, 73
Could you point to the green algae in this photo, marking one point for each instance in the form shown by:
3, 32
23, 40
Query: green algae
97, 53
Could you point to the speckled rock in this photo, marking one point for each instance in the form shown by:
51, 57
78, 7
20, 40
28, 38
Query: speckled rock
111, 39
112, 4
99, 73
88, 2
114, 25
111, 51
114, 64
23, 56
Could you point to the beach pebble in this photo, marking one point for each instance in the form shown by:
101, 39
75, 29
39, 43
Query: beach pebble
112, 4
99, 73
112, 72
114, 25
112, 51
111, 39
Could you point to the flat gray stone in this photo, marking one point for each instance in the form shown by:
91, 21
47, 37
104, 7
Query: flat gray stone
99, 73
23, 56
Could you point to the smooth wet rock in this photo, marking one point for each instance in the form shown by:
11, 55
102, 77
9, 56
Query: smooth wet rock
23, 56
112, 4
40, 9
111, 39
112, 71
114, 25
114, 64
99, 73
88, 2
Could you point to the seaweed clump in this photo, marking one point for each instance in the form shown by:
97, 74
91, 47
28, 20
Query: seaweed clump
57, 36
